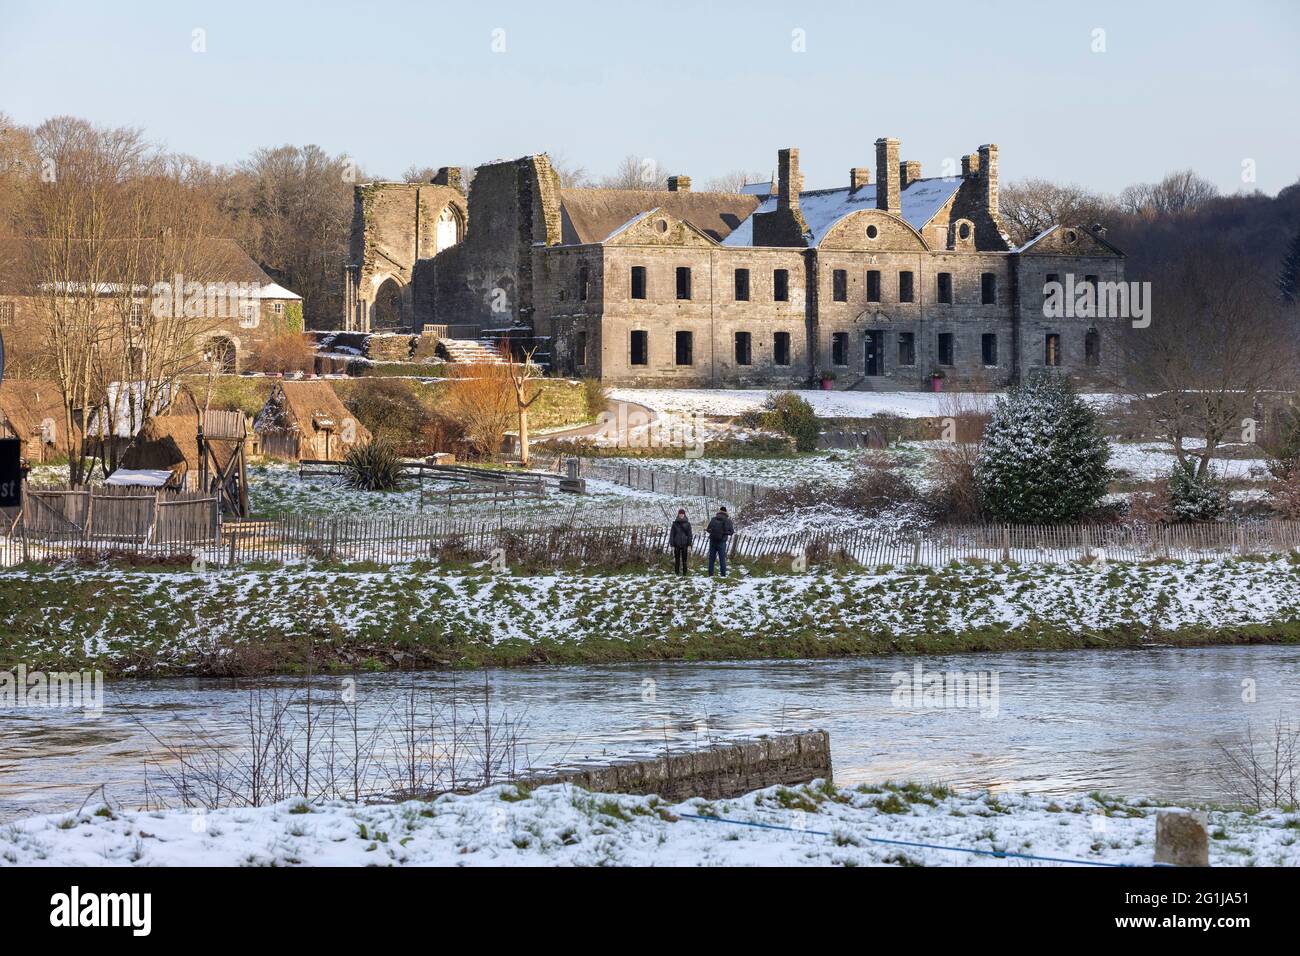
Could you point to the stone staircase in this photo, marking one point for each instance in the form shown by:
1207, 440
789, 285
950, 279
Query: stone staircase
469, 352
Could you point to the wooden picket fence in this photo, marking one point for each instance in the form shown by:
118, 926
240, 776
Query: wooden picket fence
176, 531
667, 481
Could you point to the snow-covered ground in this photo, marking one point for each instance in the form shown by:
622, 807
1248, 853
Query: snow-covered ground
813, 825
833, 404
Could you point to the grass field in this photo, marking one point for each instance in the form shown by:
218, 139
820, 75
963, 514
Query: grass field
249, 621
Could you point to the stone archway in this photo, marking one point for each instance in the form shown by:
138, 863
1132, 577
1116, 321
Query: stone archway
449, 230
387, 313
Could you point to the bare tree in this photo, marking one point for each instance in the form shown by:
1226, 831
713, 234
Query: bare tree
1218, 342
1029, 206
523, 376
572, 175
735, 180
1178, 192
636, 172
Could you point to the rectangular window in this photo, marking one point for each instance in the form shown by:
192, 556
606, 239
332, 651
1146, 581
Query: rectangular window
137, 315
580, 349
989, 348
742, 285
278, 308
945, 288
906, 348
6, 314
685, 350
873, 285
988, 288
781, 348
905, 287
640, 347
781, 285
946, 350
583, 279
1092, 348
743, 354
638, 282
840, 285
683, 282
840, 348
1052, 350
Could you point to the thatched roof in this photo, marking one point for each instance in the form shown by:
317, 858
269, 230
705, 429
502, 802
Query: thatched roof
215, 260
307, 407
167, 441
592, 215
172, 442
26, 403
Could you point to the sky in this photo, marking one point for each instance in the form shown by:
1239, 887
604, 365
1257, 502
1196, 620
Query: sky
1101, 94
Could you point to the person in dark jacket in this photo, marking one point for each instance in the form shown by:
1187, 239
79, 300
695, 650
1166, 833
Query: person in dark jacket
681, 538
720, 530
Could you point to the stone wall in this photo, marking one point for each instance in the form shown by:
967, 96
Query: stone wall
714, 773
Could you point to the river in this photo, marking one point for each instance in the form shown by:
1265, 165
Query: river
1137, 723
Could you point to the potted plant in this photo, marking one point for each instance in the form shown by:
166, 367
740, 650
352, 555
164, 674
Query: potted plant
937, 375
826, 376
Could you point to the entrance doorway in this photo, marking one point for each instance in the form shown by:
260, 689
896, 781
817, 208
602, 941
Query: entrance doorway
875, 353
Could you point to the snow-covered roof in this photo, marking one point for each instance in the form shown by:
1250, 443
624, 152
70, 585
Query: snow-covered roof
273, 290
140, 477
757, 189
1042, 235
823, 208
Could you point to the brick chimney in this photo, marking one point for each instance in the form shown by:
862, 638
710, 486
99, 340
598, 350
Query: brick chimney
448, 176
789, 182
859, 176
887, 189
970, 166
908, 172
679, 184
989, 175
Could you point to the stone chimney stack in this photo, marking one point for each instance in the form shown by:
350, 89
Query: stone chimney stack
970, 166
989, 175
679, 184
859, 176
448, 176
789, 182
887, 189
908, 172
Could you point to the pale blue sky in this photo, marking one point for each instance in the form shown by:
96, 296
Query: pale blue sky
701, 87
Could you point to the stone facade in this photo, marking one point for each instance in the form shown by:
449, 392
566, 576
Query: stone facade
887, 285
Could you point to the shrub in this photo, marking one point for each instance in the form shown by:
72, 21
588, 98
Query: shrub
372, 467
1282, 446
1196, 497
595, 397
791, 415
394, 410
288, 352
1284, 495
480, 400
1044, 457
954, 495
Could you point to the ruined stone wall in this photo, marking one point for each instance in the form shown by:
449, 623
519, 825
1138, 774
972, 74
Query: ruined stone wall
719, 772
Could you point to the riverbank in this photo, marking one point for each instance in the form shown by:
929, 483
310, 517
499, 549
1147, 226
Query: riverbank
244, 623
564, 826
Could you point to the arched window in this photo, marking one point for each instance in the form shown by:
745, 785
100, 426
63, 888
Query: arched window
388, 307
223, 354
447, 233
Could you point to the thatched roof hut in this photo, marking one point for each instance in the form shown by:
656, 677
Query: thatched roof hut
32, 410
306, 420
169, 443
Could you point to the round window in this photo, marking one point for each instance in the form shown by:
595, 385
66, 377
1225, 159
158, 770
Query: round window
872, 232
1071, 236
964, 230
662, 225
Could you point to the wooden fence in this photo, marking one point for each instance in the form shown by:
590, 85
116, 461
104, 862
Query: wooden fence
667, 481
58, 523
399, 539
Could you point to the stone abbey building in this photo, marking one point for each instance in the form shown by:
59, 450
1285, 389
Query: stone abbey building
876, 285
